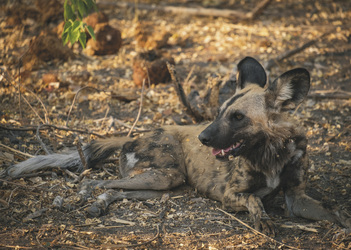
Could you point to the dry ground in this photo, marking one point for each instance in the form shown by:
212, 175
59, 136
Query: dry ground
205, 46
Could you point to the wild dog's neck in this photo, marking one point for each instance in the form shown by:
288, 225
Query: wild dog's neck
271, 154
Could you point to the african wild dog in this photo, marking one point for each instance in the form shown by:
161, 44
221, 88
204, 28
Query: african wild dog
267, 152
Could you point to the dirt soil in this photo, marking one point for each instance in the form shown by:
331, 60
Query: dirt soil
200, 47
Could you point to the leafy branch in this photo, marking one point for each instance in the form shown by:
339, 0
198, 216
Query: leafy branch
74, 28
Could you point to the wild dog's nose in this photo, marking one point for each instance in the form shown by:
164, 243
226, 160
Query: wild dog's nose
204, 138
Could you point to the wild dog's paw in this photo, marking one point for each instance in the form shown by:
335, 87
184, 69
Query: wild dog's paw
265, 225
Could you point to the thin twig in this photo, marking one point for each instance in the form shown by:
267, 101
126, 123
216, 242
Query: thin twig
16, 151
11, 79
254, 230
10, 196
37, 135
19, 93
107, 172
181, 95
300, 227
197, 11
4, 203
15, 247
294, 51
74, 100
34, 128
42, 104
187, 81
148, 77
21, 185
140, 108
81, 153
134, 245
258, 9
71, 174
122, 123
33, 109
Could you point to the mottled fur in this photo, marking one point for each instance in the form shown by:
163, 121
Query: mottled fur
259, 150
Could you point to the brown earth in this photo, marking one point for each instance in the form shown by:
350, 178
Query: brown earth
203, 46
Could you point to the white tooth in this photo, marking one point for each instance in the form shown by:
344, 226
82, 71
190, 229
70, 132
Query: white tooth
222, 152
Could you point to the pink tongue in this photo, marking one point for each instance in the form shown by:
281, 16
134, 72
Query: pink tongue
216, 151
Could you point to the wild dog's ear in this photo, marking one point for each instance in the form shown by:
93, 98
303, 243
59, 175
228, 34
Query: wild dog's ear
289, 89
250, 71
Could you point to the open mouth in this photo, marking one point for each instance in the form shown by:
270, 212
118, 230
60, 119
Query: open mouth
227, 151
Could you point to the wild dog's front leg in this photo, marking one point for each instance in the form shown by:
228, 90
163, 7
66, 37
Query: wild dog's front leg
300, 204
249, 202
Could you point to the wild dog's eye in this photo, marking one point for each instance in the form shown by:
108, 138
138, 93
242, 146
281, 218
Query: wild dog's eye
237, 116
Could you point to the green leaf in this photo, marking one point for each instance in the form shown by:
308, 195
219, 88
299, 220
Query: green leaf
65, 38
83, 39
88, 4
68, 13
67, 27
74, 29
76, 25
91, 31
73, 36
82, 9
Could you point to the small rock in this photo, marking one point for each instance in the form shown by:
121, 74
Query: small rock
150, 65
95, 19
49, 78
44, 48
108, 41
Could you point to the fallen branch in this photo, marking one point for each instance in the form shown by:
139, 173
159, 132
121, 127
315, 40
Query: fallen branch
81, 153
198, 11
258, 9
181, 94
139, 112
37, 135
255, 231
294, 51
330, 94
301, 227
34, 128
16, 151
15, 247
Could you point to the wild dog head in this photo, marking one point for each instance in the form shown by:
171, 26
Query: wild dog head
251, 118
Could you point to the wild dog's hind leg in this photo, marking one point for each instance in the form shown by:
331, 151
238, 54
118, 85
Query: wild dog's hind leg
151, 164
103, 200
249, 202
149, 184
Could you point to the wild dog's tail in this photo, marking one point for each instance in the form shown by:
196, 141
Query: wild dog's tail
94, 153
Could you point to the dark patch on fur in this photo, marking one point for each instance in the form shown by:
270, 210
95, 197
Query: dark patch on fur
130, 147
257, 181
229, 103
